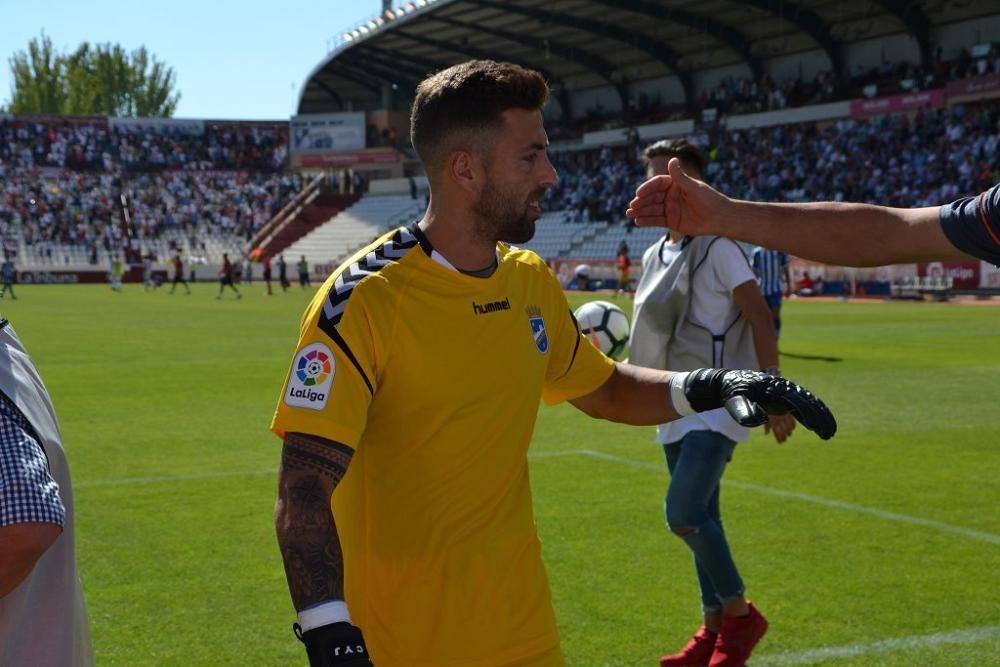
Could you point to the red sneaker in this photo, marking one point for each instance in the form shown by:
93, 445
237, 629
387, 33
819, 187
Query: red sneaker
737, 639
695, 654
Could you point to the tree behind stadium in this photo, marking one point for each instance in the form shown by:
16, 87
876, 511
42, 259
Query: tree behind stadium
99, 80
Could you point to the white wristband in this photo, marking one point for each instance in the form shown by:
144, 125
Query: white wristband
675, 392
325, 613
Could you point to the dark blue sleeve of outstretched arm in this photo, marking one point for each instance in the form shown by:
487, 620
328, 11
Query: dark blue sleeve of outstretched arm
972, 224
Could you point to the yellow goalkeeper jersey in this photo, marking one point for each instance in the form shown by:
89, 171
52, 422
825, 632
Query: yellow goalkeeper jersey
434, 378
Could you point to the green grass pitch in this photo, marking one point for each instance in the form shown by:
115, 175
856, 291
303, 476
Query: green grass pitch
881, 547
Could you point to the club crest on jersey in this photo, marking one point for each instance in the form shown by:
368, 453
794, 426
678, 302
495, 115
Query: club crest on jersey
310, 377
537, 323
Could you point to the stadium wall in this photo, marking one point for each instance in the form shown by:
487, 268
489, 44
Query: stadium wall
398, 186
787, 116
646, 133
875, 281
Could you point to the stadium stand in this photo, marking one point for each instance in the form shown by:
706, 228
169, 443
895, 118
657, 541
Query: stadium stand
355, 227
730, 78
196, 187
83, 143
557, 236
932, 156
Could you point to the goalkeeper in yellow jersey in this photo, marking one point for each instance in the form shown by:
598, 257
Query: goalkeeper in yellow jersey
414, 390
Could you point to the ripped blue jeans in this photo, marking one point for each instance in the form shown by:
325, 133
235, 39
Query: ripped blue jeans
696, 463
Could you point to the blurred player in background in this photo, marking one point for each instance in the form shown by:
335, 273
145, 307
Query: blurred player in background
830, 232
43, 616
303, 272
283, 273
179, 274
117, 272
698, 305
226, 277
267, 274
624, 263
771, 268
8, 276
147, 270
414, 391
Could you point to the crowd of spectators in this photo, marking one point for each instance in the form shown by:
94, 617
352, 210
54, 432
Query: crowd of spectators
80, 209
60, 178
933, 156
61, 181
595, 185
897, 160
734, 95
98, 147
967, 65
744, 95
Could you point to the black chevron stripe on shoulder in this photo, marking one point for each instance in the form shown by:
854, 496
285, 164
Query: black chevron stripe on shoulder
378, 258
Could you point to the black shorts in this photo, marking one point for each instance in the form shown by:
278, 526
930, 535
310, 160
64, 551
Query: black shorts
226, 280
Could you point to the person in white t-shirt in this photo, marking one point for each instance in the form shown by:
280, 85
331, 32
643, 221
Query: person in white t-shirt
697, 306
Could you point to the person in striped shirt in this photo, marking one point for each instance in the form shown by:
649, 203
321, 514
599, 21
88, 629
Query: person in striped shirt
771, 268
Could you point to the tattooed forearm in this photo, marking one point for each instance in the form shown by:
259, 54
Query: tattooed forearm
311, 468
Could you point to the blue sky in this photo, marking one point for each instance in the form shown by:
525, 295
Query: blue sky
233, 60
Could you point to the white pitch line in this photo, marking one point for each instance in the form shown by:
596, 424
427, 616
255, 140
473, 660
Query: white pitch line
983, 536
897, 645
791, 659
992, 538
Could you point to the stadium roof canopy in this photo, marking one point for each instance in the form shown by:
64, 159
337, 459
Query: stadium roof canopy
579, 44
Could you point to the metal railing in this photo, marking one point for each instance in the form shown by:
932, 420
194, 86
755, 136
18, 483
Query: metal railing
287, 214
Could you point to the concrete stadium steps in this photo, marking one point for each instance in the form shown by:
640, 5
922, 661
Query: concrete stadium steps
320, 211
344, 234
605, 243
556, 237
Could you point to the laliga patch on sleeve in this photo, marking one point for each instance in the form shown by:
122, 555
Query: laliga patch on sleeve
311, 377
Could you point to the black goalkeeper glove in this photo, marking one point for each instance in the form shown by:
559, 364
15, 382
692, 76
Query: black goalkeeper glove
334, 645
750, 396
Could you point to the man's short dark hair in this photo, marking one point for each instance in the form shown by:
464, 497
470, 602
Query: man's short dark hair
681, 149
464, 103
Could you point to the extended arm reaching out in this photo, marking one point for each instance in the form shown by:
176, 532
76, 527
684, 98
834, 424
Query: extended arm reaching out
830, 232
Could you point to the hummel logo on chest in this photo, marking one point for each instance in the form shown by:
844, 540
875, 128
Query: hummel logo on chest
490, 307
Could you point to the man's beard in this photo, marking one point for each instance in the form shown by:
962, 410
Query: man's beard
501, 217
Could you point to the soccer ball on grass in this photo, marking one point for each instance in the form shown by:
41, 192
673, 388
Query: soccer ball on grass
606, 325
